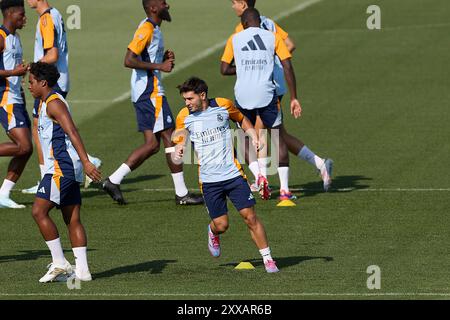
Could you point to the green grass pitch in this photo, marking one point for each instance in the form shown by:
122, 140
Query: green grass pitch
374, 101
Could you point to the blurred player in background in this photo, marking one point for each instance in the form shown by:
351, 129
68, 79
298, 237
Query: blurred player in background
294, 145
147, 58
51, 47
13, 113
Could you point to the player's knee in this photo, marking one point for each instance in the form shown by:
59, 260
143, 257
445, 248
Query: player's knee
221, 227
25, 150
251, 220
152, 147
37, 213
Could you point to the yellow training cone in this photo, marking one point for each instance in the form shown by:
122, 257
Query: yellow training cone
286, 203
245, 266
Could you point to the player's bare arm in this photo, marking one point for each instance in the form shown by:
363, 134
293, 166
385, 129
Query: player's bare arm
57, 110
296, 109
290, 44
51, 56
227, 69
132, 61
249, 129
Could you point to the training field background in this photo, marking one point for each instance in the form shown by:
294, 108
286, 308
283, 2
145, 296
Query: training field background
377, 102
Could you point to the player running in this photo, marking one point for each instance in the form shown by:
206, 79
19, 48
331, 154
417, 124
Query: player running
207, 121
51, 47
13, 113
64, 159
294, 145
147, 58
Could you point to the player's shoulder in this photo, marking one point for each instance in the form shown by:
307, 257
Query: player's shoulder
221, 103
146, 26
183, 113
4, 32
268, 24
239, 28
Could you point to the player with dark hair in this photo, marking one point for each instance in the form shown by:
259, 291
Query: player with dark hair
13, 114
291, 143
65, 157
147, 58
51, 47
207, 122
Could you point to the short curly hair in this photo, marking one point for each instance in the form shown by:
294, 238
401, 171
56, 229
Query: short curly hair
45, 71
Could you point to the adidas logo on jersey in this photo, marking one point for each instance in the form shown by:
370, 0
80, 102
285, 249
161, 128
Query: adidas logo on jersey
41, 190
255, 44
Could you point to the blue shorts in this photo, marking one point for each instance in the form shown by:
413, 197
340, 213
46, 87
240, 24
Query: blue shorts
271, 115
154, 114
14, 116
38, 102
61, 191
216, 193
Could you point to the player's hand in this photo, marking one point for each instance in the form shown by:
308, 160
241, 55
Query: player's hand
179, 152
20, 70
296, 108
169, 54
167, 65
92, 172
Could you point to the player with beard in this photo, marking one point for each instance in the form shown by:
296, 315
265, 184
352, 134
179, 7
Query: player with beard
147, 58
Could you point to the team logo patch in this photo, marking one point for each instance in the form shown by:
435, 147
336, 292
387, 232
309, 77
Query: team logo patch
220, 118
169, 119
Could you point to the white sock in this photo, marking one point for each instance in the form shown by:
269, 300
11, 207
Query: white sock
265, 253
80, 254
119, 174
42, 167
180, 185
6, 188
57, 252
310, 157
263, 162
283, 173
254, 168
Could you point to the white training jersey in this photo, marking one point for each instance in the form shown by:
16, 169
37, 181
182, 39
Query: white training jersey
51, 33
278, 73
148, 45
10, 58
60, 157
210, 133
253, 51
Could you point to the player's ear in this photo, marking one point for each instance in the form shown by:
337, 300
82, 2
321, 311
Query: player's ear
203, 96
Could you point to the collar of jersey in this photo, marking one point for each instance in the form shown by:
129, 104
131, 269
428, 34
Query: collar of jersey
5, 29
49, 95
47, 11
152, 22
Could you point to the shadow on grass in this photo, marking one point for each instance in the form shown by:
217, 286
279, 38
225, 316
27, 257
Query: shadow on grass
154, 267
27, 255
282, 263
341, 184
